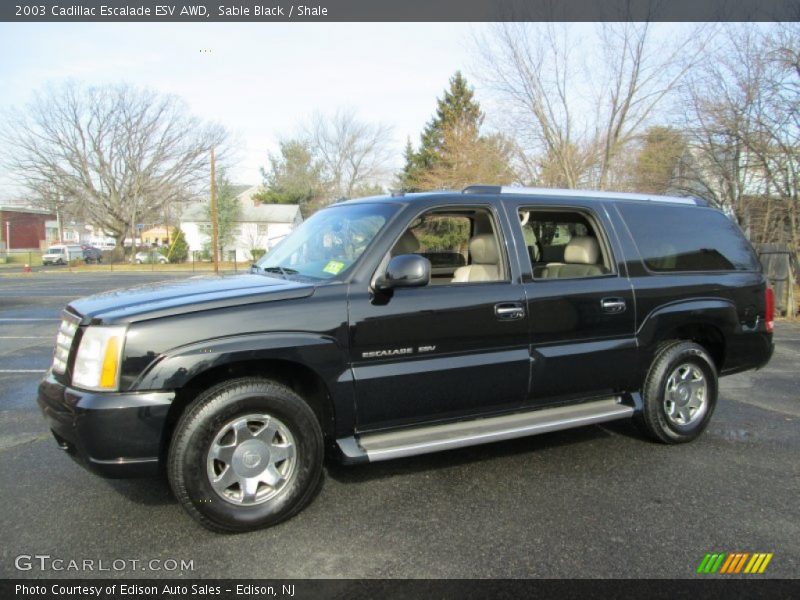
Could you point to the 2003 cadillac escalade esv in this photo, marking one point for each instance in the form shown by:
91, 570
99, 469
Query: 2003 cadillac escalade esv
393, 326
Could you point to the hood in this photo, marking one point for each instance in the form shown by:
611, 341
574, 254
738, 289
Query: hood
167, 298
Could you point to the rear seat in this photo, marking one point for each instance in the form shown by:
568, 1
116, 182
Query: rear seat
580, 260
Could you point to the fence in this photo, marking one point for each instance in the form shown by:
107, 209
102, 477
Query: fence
149, 259
780, 268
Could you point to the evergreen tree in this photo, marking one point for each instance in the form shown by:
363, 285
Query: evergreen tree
179, 248
456, 110
227, 212
295, 176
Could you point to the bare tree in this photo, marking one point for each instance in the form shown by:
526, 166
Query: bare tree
355, 154
777, 144
118, 153
744, 129
575, 114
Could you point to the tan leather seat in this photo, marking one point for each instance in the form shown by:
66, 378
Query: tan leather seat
485, 261
580, 260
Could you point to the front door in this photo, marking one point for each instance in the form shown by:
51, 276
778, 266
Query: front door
456, 347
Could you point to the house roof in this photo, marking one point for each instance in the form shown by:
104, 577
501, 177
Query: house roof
26, 209
250, 211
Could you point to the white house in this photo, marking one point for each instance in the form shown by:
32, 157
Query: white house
258, 226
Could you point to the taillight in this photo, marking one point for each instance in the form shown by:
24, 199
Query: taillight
769, 317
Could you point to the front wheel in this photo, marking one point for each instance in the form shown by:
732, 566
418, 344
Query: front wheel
246, 454
680, 393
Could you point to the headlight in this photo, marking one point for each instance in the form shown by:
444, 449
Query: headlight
98, 361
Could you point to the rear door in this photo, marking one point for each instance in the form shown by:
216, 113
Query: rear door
579, 301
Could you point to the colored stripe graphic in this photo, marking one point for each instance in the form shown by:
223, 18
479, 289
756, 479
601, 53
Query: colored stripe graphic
764, 564
727, 563
731, 563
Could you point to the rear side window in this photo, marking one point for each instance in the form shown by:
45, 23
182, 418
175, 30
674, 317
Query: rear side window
679, 238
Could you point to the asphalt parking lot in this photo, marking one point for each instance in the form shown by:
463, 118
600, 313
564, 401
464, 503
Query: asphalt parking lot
599, 501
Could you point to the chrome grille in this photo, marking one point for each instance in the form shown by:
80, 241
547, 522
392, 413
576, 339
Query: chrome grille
66, 333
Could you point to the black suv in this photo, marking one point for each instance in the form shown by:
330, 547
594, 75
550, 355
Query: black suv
92, 255
392, 326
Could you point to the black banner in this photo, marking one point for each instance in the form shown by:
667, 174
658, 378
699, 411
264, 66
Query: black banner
352, 589
399, 10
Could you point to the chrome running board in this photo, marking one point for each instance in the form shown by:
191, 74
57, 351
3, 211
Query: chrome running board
435, 438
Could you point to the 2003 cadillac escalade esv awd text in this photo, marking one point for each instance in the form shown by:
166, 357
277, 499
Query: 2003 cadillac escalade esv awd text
392, 326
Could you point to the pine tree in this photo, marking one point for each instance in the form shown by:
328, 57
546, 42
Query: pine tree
455, 110
179, 249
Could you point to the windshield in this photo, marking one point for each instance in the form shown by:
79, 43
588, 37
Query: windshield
328, 243
55, 251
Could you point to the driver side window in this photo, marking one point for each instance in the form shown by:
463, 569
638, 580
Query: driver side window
462, 246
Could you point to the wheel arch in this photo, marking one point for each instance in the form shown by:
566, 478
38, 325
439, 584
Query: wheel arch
286, 358
709, 322
299, 377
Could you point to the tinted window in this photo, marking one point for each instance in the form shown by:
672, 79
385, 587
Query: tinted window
678, 238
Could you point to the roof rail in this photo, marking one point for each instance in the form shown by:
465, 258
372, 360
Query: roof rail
564, 193
559, 193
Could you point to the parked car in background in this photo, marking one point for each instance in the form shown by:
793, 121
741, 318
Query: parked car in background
153, 256
61, 254
92, 255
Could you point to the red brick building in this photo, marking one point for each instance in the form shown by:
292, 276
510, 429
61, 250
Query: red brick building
27, 228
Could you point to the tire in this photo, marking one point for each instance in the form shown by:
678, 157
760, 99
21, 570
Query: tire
679, 393
138, 261
211, 426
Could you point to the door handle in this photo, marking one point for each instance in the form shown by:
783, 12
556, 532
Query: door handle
613, 305
509, 311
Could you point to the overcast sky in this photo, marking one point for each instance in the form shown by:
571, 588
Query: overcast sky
259, 80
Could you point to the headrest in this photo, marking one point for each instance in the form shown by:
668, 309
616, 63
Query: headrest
407, 244
582, 250
483, 249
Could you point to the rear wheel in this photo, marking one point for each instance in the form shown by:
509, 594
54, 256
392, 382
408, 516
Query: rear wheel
680, 393
246, 454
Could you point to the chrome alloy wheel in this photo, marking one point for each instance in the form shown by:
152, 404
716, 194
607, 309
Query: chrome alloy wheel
251, 459
685, 395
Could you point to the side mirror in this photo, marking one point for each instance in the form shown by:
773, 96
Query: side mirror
405, 270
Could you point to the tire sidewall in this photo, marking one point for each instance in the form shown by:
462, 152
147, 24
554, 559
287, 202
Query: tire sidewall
666, 363
188, 456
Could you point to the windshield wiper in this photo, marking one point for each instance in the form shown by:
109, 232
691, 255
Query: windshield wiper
284, 272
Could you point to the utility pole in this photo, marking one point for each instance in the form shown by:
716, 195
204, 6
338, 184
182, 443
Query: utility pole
214, 224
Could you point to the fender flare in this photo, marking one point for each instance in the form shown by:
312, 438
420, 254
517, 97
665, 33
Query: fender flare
719, 313
322, 355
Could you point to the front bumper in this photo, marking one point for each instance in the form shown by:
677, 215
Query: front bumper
112, 434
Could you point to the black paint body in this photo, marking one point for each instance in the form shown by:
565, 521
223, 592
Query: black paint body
564, 349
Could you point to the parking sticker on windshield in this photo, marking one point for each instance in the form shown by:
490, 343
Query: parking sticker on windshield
333, 267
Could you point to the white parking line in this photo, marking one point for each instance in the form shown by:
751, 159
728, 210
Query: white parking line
22, 319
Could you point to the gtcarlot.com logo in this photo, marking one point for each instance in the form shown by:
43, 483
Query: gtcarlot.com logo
732, 563
45, 562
